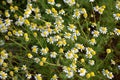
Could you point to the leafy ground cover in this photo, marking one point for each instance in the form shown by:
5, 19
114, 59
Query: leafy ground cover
59, 39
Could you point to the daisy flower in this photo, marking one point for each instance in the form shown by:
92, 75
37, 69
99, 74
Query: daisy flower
113, 62
105, 72
70, 2
53, 54
67, 69
82, 71
9, 1
35, 49
29, 76
4, 54
62, 11
79, 46
1, 61
91, 0
51, 40
96, 8
103, 30
3, 75
27, 13
58, 5
70, 74
7, 13
89, 50
117, 31
36, 60
44, 51
118, 5
76, 13
52, 2
45, 33
116, 16
74, 50
24, 67
110, 75
38, 77
91, 62
95, 33
71, 27
57, 37
67, 35
29, 55
48, 11
89, 55
8, 22
54, 77
92, 41
20, 21
2, 42
69, 55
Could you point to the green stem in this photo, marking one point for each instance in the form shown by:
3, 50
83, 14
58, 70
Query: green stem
38, 42
93, 13
58, 65
18, 44
102, 61
79, 77
82, 30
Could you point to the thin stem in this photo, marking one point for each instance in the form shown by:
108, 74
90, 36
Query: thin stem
54, 64
18, 44
79, 77
82, 30
93, 13
102, 61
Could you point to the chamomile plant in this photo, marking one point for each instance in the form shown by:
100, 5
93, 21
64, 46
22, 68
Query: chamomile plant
59, 39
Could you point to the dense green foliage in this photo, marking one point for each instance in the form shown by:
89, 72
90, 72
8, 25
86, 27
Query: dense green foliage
59, 39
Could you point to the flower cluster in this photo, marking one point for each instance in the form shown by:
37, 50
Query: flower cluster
99, 9
107, 73
69, 39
